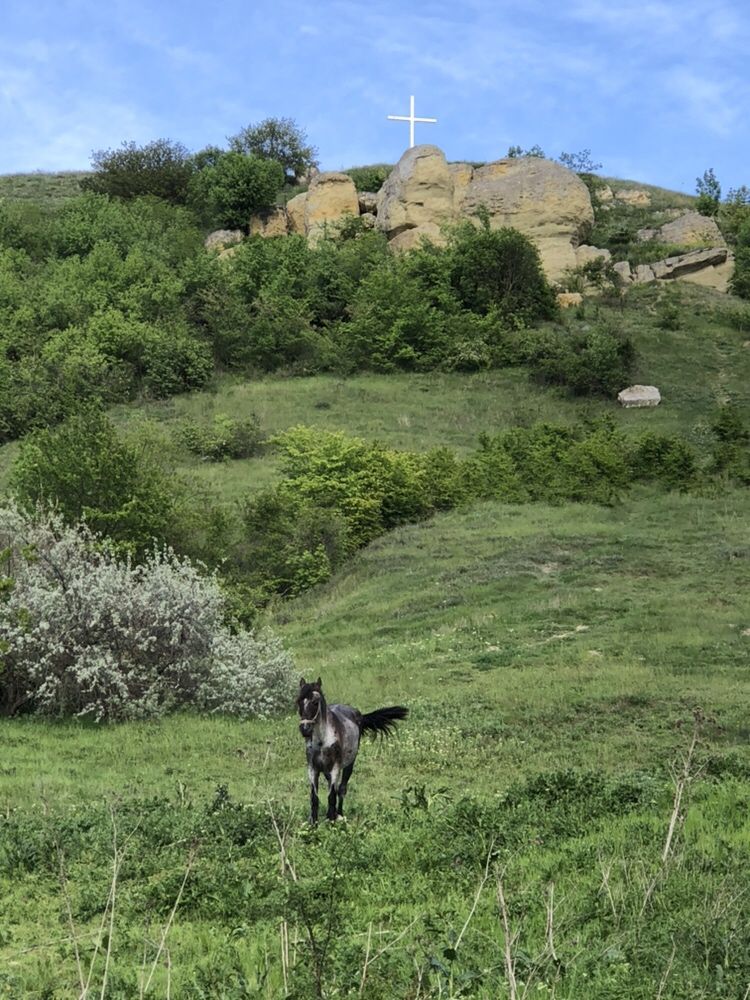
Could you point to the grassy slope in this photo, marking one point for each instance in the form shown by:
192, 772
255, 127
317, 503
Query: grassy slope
46, 188
527, 641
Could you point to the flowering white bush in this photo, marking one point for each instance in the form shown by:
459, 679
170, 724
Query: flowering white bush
83, 632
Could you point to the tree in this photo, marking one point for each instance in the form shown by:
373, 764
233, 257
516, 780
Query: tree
85, 471
580, 163
739, 283
498, 269
162, 168
708, 190
279, 139
236, 187
516, 152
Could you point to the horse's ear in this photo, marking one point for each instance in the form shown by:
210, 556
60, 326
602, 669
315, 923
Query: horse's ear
302, 682
318, 684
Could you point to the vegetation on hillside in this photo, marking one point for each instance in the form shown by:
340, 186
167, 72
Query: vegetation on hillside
449, 512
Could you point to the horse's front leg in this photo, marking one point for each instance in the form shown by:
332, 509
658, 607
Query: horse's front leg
314, 775
333, 790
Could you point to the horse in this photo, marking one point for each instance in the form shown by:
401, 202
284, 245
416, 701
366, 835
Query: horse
332, 734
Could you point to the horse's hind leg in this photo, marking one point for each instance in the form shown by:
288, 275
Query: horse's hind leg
346, 774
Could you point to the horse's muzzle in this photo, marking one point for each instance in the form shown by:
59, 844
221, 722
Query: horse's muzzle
306, 729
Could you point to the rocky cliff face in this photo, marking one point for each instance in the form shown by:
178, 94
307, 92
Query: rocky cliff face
542, 199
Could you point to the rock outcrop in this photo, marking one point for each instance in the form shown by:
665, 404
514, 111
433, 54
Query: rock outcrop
635, 197
330, 198
418, 193
711, 268
689, 230
544, 200
295, 214
271, 223
220, 239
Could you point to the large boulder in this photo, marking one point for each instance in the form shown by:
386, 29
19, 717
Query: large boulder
544, 200
418, 192
639, 395
330, 198
271, 223
220, 239
688, 230
295, 214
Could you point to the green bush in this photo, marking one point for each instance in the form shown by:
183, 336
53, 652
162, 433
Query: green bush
663, 458
370, 178
731, 453
740, 281
498, 270
597, 362
225, 438
162, 168
84, 471
235, 188
708, 190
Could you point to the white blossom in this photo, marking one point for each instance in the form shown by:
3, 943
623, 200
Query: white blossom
83, 632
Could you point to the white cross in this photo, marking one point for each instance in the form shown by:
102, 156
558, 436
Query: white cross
411, 119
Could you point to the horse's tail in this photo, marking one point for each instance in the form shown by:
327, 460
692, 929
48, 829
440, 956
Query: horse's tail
383, 720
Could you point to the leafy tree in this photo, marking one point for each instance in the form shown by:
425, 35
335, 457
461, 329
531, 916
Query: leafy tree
84, 471
280, 139
734, 213
162, 168
740, 280
708, 190
499, 270
515, 152
580, 163
236, 187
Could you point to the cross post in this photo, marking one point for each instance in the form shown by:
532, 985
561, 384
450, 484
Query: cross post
411, 119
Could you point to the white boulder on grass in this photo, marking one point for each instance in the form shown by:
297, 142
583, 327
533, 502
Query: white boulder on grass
639, 395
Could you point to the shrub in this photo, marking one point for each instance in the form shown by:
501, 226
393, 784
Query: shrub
740, 280
499, 270
370, 178
731, 454
708, 190
83, 633
663, 458
597, 362
580, 163
551, 463
734, 213
236, 187
162, 168
224, 438
84, 471
279, 139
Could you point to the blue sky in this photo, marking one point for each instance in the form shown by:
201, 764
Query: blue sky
659, 91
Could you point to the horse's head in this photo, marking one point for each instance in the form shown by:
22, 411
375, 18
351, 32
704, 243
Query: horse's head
310, 704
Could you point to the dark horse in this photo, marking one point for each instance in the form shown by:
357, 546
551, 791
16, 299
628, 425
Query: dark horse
332, 734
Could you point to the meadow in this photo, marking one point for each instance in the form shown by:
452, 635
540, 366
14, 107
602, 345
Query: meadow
566, 811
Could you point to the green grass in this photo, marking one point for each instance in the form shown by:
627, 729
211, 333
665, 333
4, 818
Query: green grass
551, 659
661, 198
46, 188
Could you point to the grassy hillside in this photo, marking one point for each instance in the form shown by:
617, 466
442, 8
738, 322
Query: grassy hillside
565, 811
551, 658
42, 187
